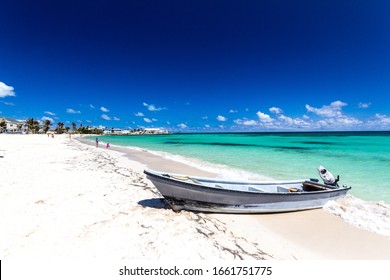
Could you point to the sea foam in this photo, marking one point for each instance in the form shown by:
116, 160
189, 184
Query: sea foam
222, 171
372, 216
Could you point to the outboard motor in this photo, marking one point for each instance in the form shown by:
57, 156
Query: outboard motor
326, 176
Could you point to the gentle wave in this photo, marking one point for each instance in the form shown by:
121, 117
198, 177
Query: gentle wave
222, 171
372, 216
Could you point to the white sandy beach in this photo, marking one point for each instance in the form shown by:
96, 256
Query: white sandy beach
63, 198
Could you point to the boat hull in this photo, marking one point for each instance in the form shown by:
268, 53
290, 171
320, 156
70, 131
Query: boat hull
188, 196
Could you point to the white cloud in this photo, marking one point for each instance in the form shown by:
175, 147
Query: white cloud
139, 114
246, 122
332, 110
364, 105
233, 111
378, 122
205, 117
152, 107
334, 117
342, 122
275, 110
105, 110
348, 121
6, 90
264, 118
8, 103
221, 118
108, 118
71, 111
49, 113
383, 118
105, 117
207, 126
91, 106
150, 120
47, 118
250, 122
290, 122
285, 119
182, 125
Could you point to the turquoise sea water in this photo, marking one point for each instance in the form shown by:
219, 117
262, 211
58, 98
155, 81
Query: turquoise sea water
362, 159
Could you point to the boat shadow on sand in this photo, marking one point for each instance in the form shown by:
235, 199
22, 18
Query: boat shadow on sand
157, 203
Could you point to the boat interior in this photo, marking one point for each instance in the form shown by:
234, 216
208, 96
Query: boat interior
272, 187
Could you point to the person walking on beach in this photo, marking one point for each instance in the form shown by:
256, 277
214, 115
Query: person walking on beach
97, 142
108, 145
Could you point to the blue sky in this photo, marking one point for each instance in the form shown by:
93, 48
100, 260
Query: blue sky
244, 65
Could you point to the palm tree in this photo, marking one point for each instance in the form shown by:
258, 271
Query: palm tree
3, 126
36, 126
29, 124
46, 125
81, 129
60, 127
74, 127
32, 125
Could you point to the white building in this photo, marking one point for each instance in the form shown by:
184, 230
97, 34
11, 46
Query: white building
116, 131
155, 131
119, 131
12, 126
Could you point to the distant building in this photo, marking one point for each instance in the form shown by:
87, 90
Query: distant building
126, 131
119, 131
12, 126
116, 131
155, 131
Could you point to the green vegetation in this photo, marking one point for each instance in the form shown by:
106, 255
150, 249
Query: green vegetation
34, 126
3, 125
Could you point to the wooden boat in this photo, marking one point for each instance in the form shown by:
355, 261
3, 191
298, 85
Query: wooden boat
184, 192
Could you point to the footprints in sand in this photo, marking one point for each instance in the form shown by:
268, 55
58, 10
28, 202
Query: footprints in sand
143, 223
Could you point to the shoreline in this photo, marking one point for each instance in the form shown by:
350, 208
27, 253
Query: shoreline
373, 216
284, 224
103, 205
